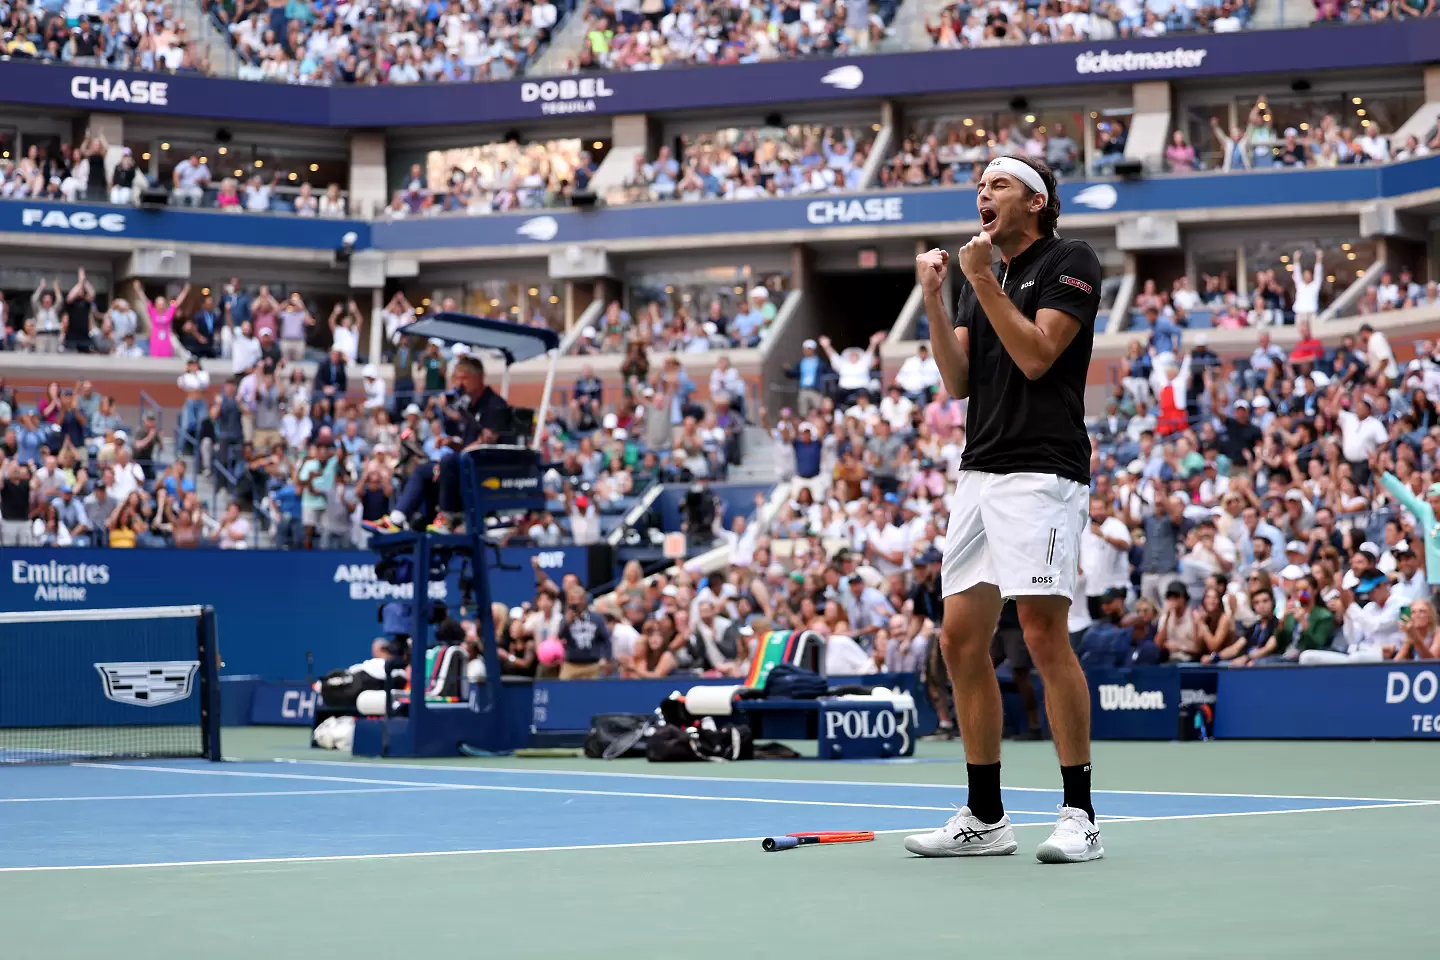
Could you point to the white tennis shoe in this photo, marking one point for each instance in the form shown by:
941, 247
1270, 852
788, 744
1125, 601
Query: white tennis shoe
965, 835
1075, 840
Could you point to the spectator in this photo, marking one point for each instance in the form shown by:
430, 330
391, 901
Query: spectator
586, 639
1179, 155
1104, 554
190, 179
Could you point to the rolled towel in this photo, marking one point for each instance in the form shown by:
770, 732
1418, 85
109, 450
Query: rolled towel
711, 701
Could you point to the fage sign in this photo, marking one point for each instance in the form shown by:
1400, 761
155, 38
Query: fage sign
82, 220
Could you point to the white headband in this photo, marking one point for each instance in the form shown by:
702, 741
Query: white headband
1020, 171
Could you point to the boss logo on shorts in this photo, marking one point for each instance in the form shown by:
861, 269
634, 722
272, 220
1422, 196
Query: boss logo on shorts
1077, 284
1047, 581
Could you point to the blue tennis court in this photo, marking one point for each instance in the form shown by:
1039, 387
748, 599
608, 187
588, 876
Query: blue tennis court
101, 815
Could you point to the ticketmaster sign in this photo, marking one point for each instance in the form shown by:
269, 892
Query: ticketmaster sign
1296, 54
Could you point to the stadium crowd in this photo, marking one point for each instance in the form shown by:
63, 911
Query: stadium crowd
998, 23
1317, 141
121, 34
955, 151
653, 34
718, 318
494, 178
750, 164
299, 461
391, 43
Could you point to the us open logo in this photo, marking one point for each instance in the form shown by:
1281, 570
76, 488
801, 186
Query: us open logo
148, 683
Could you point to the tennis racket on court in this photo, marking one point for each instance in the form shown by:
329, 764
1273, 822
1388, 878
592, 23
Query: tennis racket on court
793, 840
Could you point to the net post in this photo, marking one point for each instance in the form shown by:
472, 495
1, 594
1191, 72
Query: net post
209, 653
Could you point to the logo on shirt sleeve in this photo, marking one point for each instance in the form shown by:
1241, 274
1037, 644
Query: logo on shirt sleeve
1077, 284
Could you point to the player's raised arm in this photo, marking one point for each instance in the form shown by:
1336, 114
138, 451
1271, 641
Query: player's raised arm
949, 345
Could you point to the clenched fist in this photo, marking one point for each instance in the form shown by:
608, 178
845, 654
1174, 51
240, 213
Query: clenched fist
976, 256
931, 268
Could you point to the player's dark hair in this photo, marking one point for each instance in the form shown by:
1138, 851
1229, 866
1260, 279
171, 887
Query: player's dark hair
1050, 216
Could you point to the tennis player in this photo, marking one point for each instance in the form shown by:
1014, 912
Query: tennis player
1020, 350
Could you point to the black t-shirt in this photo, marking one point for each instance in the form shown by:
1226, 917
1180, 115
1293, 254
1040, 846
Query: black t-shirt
1238, 438
488, 411
78, 312
586, 639
15, 499
1019, 425
926, 600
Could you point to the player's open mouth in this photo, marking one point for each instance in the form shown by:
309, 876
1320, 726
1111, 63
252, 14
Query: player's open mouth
987, 217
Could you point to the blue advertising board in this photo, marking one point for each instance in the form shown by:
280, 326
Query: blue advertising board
1383, 701
865, 730
284, 705
67, 221
899, 208
281, 615
1292, 53
878, 209
1135, 703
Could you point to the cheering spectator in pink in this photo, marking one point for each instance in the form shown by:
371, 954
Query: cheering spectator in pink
162, 315
1180, 156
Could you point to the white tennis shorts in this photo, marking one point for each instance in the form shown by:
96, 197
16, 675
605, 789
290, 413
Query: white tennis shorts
1018, 531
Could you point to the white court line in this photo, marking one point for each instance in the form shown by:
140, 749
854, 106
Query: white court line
551, 790
411, 855
240, 793
1387, 805
628, 846
833, 783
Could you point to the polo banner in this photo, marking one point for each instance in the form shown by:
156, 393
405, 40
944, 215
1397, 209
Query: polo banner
1136, 703
281, 615
1300, 53
1382, 701
866, 730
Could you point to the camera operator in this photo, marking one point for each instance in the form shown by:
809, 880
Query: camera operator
473, 414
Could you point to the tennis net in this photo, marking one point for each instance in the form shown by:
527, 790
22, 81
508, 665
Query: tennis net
109, 684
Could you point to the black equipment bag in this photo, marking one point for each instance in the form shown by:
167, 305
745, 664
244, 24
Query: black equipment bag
618, 735
670, 744
340, 688
724, 741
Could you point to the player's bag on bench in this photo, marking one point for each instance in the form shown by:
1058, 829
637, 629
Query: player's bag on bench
615, 735
707, 740
789, 682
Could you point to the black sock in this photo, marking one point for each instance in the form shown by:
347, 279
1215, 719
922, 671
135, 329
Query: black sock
984, 800
1077, 788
